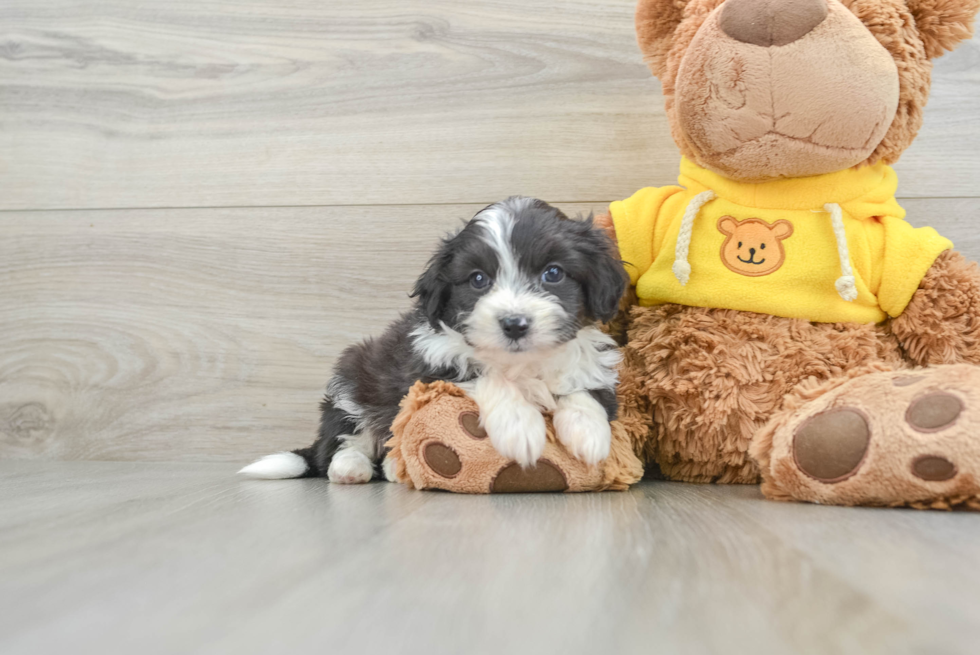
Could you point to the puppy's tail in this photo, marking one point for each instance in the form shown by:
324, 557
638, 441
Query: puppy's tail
282, 466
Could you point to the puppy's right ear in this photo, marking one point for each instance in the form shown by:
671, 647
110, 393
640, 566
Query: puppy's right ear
607, 279
656, 22
432, 288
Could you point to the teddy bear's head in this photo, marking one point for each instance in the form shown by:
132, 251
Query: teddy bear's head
764, 89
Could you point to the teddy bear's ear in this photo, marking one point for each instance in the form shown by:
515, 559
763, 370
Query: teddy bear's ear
943, 24
656, 21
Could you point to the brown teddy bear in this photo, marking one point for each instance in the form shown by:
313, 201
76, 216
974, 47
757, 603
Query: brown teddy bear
785, 322
788, 323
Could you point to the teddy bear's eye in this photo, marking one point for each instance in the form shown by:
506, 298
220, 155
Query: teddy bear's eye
739, 244
762, 247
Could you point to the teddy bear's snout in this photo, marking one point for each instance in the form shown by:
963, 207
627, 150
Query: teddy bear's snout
771, 22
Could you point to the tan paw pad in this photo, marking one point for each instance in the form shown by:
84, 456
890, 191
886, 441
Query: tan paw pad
934, 411
442, 459
470, 422
831, 445
933, 468
543, 476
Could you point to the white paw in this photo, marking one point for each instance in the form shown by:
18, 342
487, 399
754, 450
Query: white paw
350, 466
517, 431
388, 468
582, 426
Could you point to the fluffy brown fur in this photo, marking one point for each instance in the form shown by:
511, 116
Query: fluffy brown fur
942, 24
941, 325
714, 377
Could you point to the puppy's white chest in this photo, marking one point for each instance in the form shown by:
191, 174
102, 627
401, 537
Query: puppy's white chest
587, 362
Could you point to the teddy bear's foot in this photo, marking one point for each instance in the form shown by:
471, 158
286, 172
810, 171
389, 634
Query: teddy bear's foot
886, 438
438, 444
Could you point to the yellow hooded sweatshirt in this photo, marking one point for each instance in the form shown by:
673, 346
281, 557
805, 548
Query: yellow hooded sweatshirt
828, 248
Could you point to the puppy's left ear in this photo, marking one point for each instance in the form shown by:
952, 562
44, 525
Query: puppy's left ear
432, 288
607, 278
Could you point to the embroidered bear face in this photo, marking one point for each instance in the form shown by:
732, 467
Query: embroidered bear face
753, 247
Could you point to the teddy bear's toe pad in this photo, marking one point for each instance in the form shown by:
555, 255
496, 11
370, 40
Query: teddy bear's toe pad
830, 446
470, 422
543, 476
886, 438
934, 411
933, 468
442, 459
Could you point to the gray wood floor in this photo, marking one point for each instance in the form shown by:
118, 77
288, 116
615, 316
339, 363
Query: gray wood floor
101, 557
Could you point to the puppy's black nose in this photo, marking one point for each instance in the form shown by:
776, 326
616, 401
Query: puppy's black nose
514, 327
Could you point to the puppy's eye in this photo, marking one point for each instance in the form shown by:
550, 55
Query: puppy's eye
479, 280
552, 274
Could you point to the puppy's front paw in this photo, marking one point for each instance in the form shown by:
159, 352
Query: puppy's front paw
517, 431
350, 466
583, 427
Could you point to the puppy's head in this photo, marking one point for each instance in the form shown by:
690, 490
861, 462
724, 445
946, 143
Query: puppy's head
521, 277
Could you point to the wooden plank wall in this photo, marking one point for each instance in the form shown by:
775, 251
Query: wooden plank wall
201, 203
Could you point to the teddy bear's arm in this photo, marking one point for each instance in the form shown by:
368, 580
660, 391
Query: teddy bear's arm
941, 324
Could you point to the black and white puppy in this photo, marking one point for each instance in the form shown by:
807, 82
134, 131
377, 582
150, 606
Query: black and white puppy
506, 309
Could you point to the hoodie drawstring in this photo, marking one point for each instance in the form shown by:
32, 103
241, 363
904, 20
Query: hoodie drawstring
845, 283
681, 267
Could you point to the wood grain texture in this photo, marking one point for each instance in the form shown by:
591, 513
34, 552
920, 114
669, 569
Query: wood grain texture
162, 558
114, 103
192, 334
175, 333
208, 334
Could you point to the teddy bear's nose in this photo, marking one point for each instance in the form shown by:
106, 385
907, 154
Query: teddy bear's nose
771, 22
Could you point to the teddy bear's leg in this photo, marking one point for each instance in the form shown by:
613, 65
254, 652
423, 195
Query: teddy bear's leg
904, 437
438, 443
941, 324
713, 378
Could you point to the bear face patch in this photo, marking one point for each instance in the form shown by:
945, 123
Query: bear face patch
753, 247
